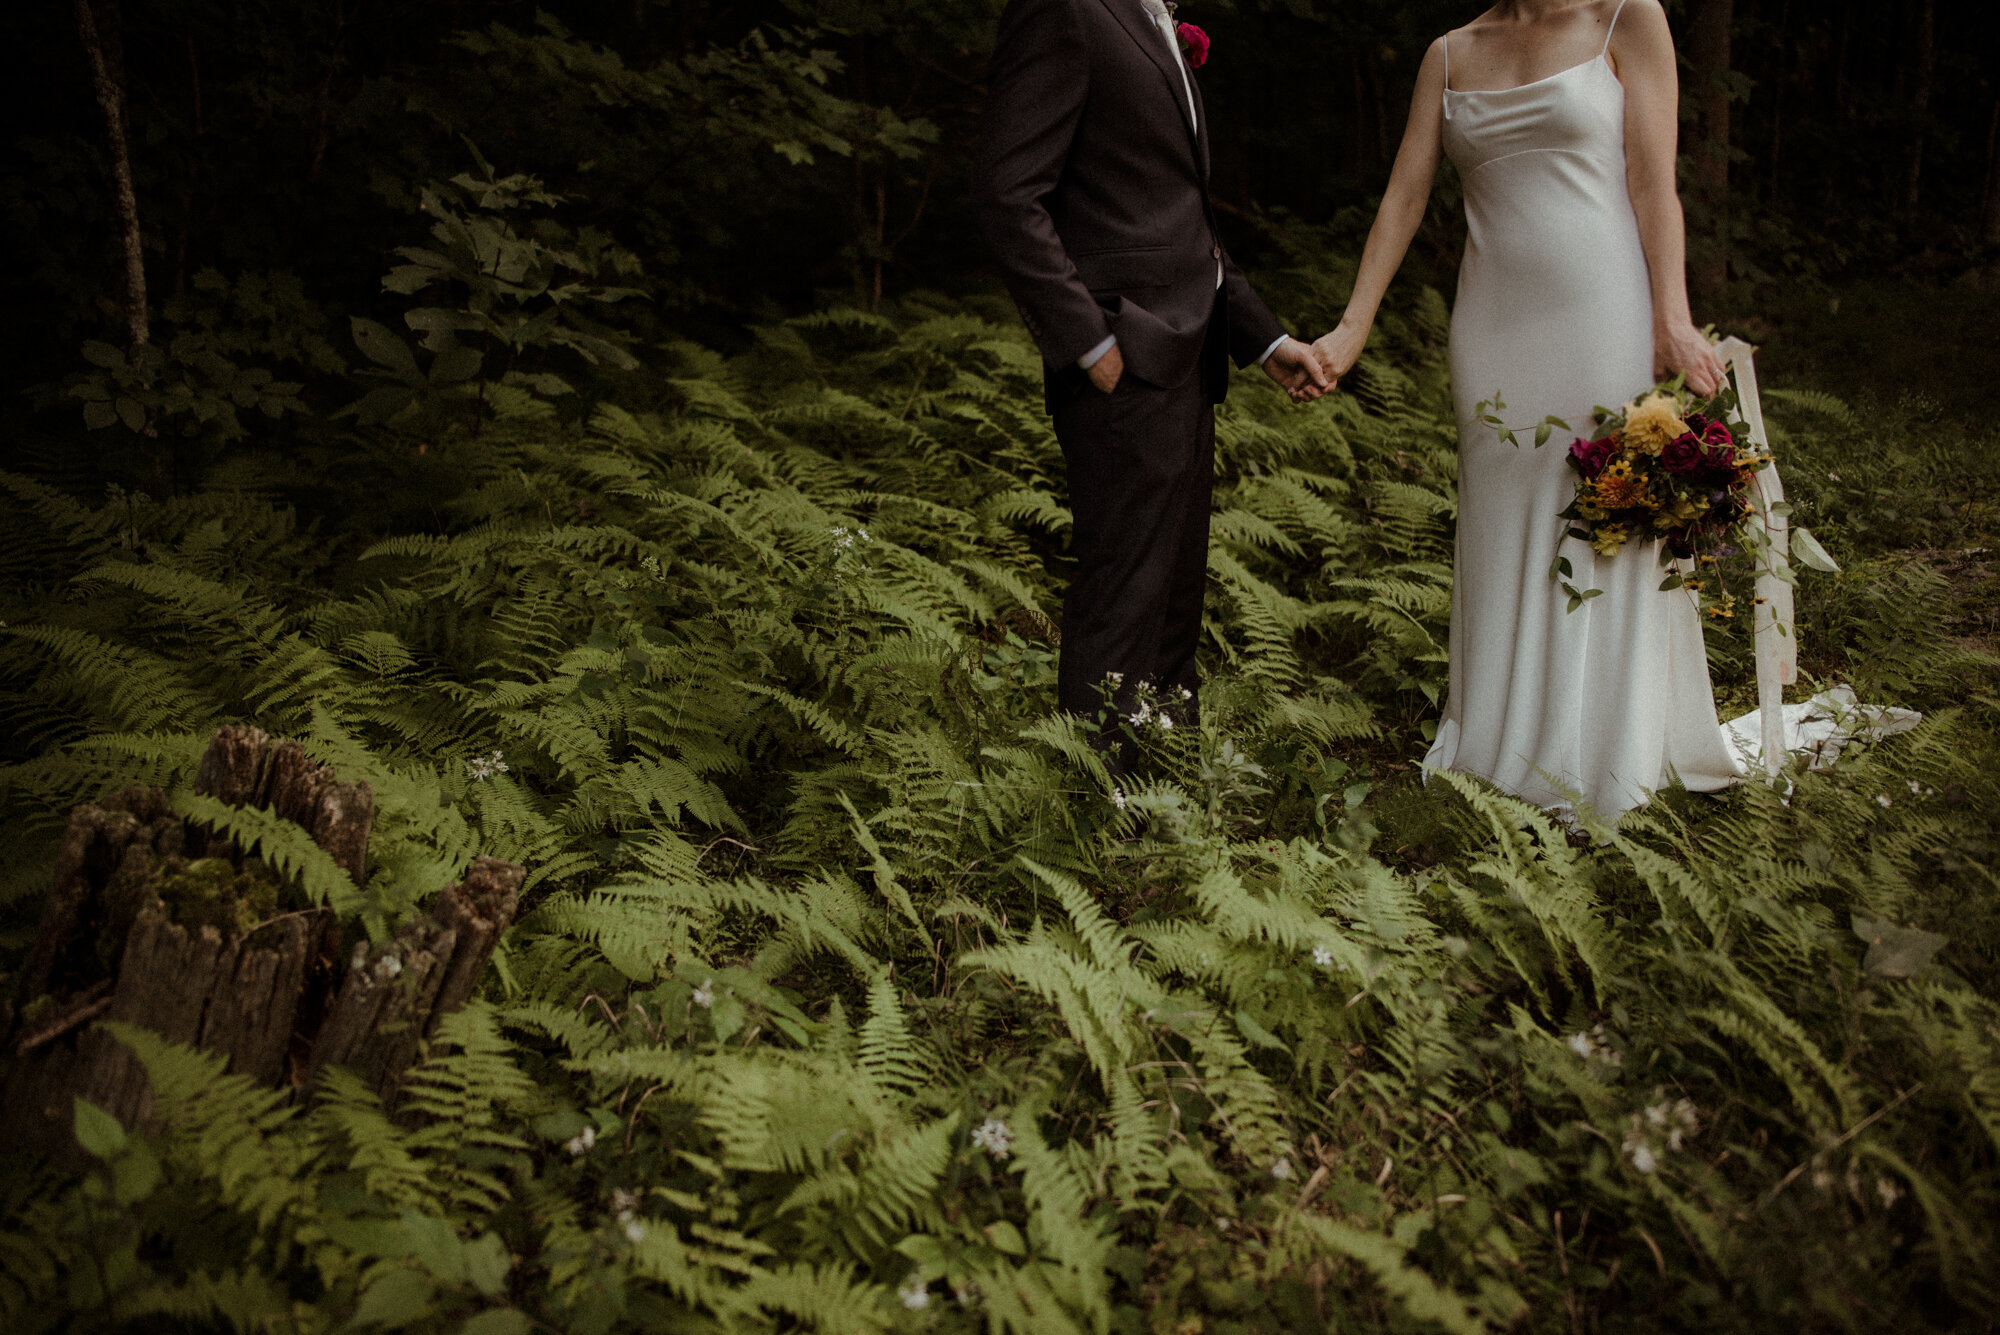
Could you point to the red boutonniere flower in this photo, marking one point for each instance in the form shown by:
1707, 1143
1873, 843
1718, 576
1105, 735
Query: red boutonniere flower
1194, 45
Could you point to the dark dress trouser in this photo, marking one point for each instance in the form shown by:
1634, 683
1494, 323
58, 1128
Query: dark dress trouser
1141, 464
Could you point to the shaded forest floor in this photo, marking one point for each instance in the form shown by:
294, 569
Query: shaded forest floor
850, 994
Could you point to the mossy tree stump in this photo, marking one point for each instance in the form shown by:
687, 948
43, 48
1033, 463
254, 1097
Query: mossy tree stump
163, 921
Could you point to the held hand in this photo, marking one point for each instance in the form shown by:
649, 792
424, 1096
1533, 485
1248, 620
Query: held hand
1682, 347
1108, 370
1297, 370
1340, 349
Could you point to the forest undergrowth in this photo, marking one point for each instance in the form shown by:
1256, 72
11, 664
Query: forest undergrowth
849, 993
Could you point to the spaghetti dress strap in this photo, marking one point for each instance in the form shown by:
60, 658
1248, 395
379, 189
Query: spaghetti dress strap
1607, 39
1445, 42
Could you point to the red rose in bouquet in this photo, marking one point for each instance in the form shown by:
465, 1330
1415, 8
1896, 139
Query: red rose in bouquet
1588, 457
1683, 455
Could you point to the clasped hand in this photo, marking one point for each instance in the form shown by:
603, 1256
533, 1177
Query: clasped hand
1297, 368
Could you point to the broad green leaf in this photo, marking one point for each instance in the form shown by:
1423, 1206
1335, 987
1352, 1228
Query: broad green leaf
98, 1131
99, 353
1006, 1238
397, 1298
435, 1246
456, 364
135, 1174
1806, 549
381, 346
1896, 952
487, 1263
497, 1321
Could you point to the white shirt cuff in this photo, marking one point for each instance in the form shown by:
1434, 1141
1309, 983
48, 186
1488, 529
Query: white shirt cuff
1096, 354
1273, 348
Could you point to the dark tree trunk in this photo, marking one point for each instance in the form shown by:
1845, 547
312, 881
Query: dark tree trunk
1920, 103
1778, 96
105, 51
148, 922
1709, 54
1990, 221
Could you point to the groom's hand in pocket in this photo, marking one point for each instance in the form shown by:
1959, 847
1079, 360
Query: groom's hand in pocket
1108, 370
1297, 370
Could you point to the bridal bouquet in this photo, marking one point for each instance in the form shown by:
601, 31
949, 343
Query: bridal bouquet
1671, 468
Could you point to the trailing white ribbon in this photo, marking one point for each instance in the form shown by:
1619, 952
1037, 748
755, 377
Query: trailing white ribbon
1775, 630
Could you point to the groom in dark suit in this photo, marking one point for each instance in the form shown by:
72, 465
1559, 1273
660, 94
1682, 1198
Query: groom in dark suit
1092, 189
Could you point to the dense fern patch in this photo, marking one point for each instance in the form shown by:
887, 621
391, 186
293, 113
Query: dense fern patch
853, 996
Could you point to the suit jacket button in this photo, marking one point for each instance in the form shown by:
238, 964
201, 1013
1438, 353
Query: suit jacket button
1215, 252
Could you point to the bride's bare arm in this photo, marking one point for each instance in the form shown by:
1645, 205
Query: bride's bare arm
1396, 222
1642, 52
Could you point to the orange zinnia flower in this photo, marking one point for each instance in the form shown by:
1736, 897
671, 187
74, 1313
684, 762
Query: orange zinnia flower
1618, 489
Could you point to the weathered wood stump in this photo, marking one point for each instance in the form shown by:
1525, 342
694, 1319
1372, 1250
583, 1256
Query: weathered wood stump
163, 921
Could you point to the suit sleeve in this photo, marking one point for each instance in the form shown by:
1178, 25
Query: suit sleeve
1252, 327
1039, 83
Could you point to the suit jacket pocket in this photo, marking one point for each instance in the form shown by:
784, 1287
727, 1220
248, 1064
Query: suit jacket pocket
1128, 270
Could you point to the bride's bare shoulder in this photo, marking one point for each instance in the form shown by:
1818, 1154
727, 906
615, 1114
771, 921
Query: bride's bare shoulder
1642, 27
1646, 15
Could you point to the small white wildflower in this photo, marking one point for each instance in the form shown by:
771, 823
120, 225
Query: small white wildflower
359, 960
579, 1144
995, 1137
1882, 800
1678, 1119
1118, 799
1594, 1046
388, 967
914, 1293
1887, 1189
1186, 694
624, 1202
1166, 723
704, 996
1282, 1170
1642, 1158
485, 767
1116, 679
1323, 957
635, 1232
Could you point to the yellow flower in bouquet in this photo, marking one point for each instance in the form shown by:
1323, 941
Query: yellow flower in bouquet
1652, 422
1609, 539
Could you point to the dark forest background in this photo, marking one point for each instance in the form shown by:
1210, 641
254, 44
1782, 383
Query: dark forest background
759, 157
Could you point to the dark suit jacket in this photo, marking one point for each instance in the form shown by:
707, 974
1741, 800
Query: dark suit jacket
1092, 189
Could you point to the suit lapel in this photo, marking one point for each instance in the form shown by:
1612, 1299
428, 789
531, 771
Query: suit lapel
1131, 16
1201, 122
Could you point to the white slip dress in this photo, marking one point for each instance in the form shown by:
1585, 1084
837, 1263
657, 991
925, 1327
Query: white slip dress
1595, 708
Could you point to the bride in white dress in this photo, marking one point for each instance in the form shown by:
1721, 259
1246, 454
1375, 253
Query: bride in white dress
1561, 118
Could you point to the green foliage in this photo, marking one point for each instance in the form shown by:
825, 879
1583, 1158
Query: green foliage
851, 994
